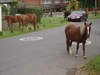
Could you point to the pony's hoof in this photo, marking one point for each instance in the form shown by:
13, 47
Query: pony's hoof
76, 56
71, 54
85, 57
68, 52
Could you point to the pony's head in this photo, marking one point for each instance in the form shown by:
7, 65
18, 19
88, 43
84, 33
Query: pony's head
3, 17
87, 29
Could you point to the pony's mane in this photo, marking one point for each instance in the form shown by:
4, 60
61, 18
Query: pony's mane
82, 29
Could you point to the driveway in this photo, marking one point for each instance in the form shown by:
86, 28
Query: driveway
44, 52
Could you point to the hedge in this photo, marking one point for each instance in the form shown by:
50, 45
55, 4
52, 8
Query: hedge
38, 11
86, 3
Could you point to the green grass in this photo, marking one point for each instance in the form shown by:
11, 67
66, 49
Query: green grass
53, 21
46, 23
92, 67
94, 17
15, 32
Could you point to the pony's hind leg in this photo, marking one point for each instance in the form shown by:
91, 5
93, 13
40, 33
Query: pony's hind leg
67, 45
70, 44
34, 25
77, 49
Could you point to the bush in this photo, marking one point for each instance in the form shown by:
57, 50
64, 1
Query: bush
14, 8
21, 10
38, 11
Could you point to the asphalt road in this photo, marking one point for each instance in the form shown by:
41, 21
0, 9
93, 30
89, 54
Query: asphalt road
46, 56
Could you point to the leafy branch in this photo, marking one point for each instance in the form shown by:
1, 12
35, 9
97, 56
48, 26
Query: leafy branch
74, 4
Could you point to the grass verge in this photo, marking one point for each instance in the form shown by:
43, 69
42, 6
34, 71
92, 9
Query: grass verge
94, 17
92, 67
46, 23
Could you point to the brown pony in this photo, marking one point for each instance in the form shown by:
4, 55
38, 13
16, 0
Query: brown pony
13, 19
77, 34
30, 18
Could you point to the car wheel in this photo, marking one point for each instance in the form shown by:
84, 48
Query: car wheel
68, 20
82, 19
86, 19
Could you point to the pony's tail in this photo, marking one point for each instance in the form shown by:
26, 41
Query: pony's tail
66, 30
35, 17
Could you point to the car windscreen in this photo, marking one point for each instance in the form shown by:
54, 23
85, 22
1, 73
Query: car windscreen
76, 12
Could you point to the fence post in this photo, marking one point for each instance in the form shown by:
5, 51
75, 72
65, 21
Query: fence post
0, 18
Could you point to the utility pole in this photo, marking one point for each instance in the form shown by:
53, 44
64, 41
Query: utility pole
0, 18
95, 6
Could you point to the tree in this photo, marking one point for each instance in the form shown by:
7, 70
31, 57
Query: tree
4, 9
14, 7
74, 4
89, 4
86, 3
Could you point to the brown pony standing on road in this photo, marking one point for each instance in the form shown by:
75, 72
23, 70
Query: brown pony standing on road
77, 34
30, 18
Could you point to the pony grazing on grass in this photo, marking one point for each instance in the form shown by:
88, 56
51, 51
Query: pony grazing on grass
13, 19
77, 34
30, 18
23, 20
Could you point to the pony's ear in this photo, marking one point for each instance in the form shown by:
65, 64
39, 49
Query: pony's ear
91, 23
84, 23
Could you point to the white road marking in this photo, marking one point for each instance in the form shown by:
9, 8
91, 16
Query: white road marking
31, 38
87, 43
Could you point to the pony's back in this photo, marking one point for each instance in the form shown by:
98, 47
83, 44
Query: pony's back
68, 27
20, 17
8, 17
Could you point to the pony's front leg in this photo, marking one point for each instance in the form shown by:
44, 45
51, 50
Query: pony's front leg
77, 49
11, 26
23, 26
8, 27
19, 25
85, 57
26, 25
